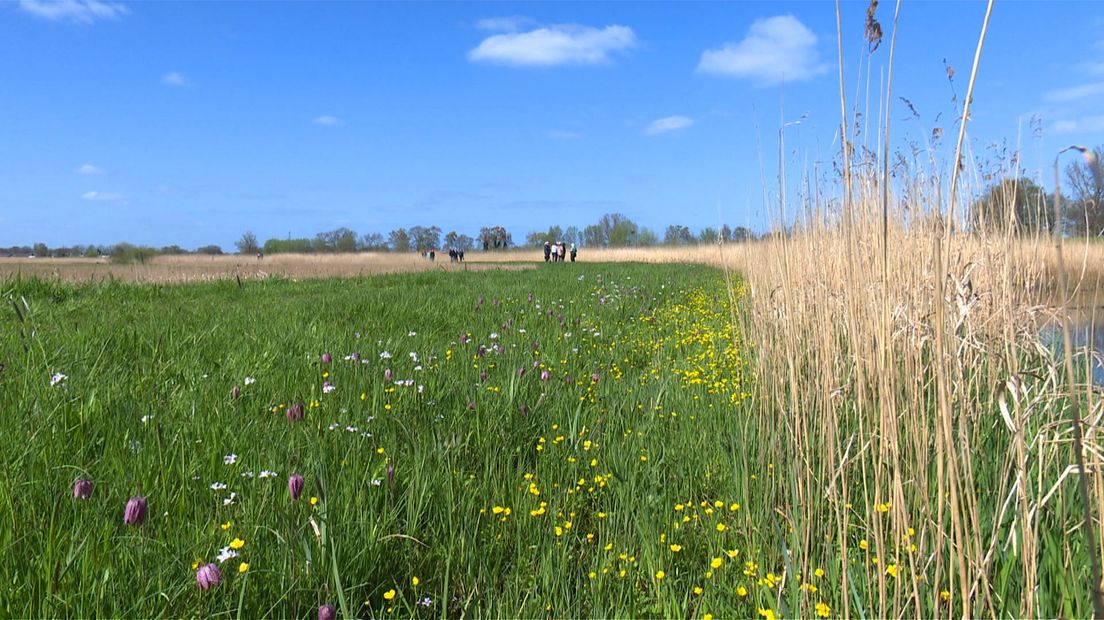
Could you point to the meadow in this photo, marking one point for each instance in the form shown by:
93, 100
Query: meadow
556, 442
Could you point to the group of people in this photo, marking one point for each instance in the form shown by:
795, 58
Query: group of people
557, 252
456, 255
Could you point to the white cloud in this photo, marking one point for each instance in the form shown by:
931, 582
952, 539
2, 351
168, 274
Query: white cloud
103, 197
565, 44
83, 11
776, 50
559, 134
175, 79
326, 119
1074, 93
667, 124
504, 24
89, 169
1088, 124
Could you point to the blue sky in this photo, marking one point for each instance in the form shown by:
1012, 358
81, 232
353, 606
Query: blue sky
189, 123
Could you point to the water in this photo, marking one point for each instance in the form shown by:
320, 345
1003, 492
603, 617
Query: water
1082, 333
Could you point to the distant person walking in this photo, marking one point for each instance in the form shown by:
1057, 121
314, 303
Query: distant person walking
574, 251
547, 251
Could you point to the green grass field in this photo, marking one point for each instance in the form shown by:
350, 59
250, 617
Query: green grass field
588, 461
569, 441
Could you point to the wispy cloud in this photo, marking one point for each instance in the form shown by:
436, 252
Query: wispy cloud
559, 134
1075, 93
512, 23
776, 50
83, 11
326, 119
1087, 124
175, 79
565, 44
667, 124
103, 197
89, 169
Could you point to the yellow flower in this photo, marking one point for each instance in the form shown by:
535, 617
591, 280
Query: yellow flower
243, 567
195, 564
863, 545
414, 581
732, 553
945, 595
741, 591
734, 507
389, 595
891, 570
225, 526
381, 450
707, 617
237, 543
314, 501
716, 563
721, 527
819, 572
698, 590
767, 613
676, 548
660, 574
823, 610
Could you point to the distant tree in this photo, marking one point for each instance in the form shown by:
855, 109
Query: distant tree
337, 240
593, 236
726, 233
495, 238
646, 237
450, 239
247, 244
1084, 213
741, 234
678, 235
425, 238
572, 235
92, 252
1016, 202
464, 242
708, 235
373, 242
535, 239
617, 230
172, 250
41, 250
210, 250
295, 246
399, 240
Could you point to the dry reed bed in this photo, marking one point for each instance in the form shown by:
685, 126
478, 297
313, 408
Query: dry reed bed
191, 268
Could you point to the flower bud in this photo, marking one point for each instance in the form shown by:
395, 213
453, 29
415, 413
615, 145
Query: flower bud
523, 409
208, 576
295, 487
136, 510
391, 476
327, 612
295, 412
545, 375
521, 371
463, 339
327, 358
235, 392
483, 376
388, 375
82, 489
595, 377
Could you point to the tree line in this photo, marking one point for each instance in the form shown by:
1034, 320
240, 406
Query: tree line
1014, 202
1018, 203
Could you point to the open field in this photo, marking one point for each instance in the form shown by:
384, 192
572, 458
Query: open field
782, 444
